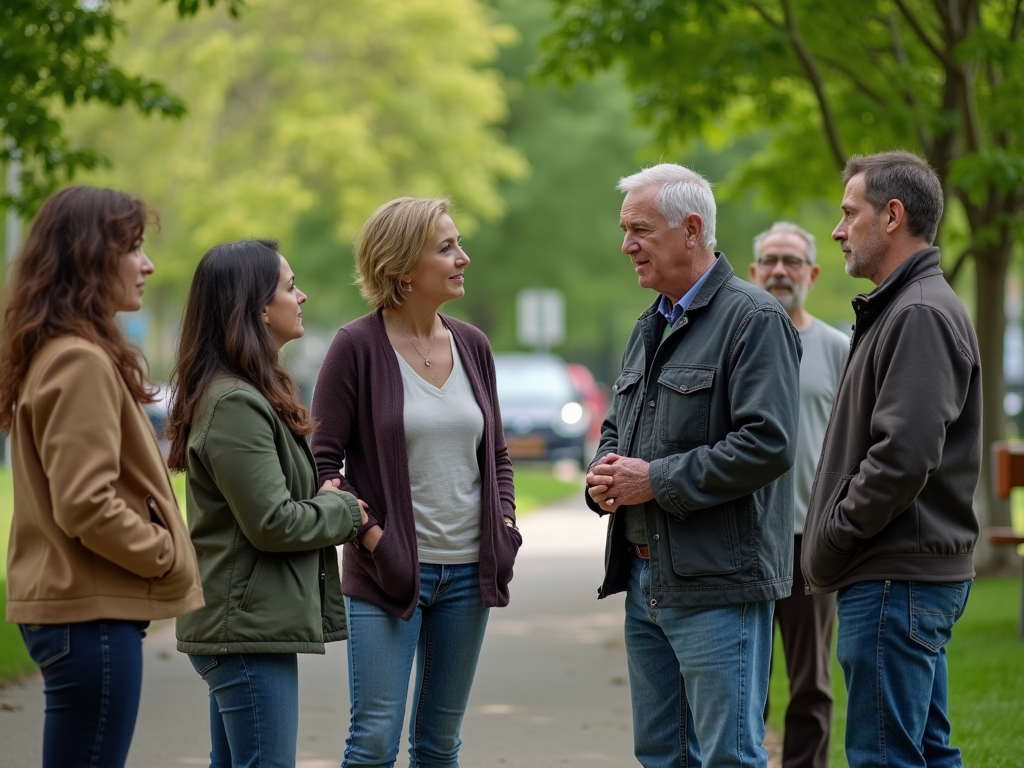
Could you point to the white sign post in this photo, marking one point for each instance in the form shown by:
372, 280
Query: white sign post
540, 318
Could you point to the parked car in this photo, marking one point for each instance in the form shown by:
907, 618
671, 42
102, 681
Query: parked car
543, 413
595, 398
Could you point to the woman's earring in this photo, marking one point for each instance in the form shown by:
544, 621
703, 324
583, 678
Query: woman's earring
407, 287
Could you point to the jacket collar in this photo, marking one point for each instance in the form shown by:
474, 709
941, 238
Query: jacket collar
721, 272
924, 263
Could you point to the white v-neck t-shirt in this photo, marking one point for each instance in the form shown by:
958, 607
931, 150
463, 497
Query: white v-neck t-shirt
443, 430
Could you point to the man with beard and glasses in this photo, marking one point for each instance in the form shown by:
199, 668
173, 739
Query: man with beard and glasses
785, 266
890, 523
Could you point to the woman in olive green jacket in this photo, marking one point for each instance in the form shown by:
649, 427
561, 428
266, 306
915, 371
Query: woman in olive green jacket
264, 534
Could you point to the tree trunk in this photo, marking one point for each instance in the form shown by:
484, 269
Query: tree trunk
991, 265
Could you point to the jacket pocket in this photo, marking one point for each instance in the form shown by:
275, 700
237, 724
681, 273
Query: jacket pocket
684, 404
250, 588
823, 560
392, 572
154, 513
625, 392
706, 543
46, 643
506, 547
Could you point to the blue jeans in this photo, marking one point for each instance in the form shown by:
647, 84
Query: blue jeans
92, 681
698, 679
254, 708
892, 638
445, 634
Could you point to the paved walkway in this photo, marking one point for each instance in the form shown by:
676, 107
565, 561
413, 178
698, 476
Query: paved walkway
550, 690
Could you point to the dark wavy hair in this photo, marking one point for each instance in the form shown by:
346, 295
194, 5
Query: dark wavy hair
65, 283
222, 332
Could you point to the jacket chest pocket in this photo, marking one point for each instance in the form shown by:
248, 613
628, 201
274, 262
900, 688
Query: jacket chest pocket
625, 394
684, 404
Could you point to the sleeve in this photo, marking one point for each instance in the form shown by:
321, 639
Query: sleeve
335, 405
241, 455
764, 400
76, 419
923, 376
502, 463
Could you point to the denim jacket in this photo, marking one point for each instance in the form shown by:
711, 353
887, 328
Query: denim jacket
714, 408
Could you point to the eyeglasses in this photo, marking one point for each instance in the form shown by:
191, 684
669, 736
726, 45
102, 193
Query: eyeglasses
791, 263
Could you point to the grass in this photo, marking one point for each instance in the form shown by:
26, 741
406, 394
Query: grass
535, 487
14, 659
986, 666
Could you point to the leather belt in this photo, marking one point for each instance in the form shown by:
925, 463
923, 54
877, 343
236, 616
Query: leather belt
642, 551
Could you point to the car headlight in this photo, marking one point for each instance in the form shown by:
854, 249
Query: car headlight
572, 420
572, 413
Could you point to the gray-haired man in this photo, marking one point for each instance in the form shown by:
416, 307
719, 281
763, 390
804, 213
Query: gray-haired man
785, 266
694, 460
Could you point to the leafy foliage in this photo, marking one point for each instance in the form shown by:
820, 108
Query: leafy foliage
55, 55
830, 80
303, 118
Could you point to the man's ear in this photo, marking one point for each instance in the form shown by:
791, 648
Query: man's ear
694, 226
752, 272
895, 215
815, 271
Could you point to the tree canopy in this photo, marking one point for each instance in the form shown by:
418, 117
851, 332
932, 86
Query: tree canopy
55, 55
944, 78
304, 114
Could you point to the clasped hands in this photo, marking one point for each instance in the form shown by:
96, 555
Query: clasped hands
335, 486
618, 480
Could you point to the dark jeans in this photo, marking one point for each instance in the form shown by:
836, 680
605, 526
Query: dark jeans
892, 647
92, 677
805, 624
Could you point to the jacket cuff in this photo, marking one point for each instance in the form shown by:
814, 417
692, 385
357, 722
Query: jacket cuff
665, 492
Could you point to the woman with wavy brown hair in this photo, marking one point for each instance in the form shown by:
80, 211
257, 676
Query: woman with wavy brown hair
98, 548
265, 530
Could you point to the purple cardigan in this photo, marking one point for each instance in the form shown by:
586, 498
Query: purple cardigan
359, 402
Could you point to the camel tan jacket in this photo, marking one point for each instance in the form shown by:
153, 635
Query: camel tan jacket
96, 532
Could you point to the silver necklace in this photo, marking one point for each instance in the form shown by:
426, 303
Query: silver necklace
426, 357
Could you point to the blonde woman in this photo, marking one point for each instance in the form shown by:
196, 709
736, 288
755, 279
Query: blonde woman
406, 401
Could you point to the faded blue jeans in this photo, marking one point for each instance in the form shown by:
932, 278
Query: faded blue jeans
92, 680
445, 635
892, 638
698, 679
254, 708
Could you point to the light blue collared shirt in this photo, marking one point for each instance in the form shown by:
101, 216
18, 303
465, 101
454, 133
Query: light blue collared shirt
673, 313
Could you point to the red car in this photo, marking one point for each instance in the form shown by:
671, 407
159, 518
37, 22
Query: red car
594, 397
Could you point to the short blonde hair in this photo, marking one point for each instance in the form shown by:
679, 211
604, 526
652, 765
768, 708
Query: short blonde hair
390, 244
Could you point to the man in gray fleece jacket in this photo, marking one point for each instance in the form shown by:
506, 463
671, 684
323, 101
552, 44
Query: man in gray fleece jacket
890, 523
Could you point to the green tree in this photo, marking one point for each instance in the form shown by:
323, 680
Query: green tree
944, 78
54, 55
304, 117
560, 229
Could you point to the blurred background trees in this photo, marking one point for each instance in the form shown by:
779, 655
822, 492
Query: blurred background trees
944, 78
295, 119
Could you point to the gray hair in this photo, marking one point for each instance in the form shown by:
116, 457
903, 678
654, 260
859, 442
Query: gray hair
788, 228
682, 192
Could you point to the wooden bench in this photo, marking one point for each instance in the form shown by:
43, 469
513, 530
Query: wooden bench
1008, 467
